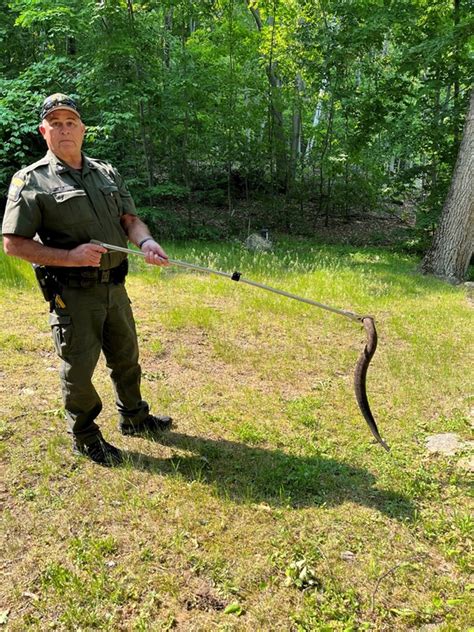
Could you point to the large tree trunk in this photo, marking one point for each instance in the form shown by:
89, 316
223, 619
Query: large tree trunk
453, 241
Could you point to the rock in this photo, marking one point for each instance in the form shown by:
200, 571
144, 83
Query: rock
259, 242
27, 391
447, 443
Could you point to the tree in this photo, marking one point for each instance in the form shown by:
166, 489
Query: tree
453, 241
304, 108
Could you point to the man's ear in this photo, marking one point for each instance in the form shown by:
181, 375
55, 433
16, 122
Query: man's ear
42, 129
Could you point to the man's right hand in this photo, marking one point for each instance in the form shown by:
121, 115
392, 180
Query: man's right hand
36, 252
85, 255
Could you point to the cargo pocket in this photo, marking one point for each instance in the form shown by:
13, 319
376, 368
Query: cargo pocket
61, 328
112, 197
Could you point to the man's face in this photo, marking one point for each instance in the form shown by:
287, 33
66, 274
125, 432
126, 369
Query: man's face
63, 132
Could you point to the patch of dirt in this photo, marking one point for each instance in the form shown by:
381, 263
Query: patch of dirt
358, 230
204, 599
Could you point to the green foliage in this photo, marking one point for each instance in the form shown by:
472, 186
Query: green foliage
167, 190
301, 575
165, 222
340, 107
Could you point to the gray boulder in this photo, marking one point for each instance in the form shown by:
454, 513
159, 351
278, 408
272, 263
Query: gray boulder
259, 242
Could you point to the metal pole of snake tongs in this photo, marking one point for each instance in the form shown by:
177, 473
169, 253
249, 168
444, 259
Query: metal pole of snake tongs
236, 276
367, 321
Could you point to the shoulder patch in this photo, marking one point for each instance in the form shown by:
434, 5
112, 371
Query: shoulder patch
16, 187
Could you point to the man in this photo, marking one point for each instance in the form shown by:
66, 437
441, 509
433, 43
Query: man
55, 207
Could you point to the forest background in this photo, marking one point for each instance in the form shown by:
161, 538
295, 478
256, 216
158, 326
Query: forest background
228, 116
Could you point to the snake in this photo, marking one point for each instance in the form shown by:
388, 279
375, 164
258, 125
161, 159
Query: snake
360, 378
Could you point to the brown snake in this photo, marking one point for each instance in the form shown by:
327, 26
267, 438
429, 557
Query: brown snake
360, 375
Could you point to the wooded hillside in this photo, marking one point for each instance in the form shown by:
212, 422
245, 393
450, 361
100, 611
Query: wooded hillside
295, 110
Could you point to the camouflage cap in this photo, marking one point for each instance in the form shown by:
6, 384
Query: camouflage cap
58, 101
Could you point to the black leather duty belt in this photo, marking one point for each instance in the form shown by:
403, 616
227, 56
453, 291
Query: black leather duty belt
89, 277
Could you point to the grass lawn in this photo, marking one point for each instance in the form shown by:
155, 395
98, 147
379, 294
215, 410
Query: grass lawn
268, 506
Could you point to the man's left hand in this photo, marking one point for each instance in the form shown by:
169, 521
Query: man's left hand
154, 253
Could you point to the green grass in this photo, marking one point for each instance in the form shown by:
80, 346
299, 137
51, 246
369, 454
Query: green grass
268, 507
15, 274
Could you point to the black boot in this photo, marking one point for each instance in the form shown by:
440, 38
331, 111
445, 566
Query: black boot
151, 424
100, 452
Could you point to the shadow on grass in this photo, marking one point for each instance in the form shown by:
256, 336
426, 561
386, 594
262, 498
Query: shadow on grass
250, 474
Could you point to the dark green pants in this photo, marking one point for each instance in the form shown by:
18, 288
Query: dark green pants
97, 319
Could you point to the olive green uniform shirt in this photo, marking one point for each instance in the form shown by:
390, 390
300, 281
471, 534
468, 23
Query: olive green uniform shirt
66, 207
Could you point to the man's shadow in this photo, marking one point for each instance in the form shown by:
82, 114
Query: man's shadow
250, 474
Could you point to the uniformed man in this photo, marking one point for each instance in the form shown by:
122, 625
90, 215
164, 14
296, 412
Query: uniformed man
55, 207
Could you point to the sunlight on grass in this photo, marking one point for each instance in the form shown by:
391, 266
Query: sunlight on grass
15, 273
268, 499
196, 316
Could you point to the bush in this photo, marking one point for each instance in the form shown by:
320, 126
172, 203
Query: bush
181, 223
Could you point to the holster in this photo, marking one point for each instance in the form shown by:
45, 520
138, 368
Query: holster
48, 284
